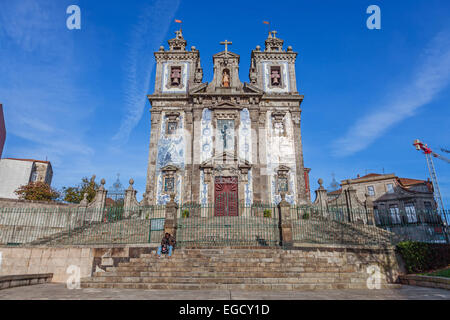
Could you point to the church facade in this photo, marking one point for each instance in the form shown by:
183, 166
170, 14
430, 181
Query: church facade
226, 141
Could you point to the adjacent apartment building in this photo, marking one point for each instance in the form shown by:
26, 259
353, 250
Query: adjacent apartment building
15, 173
392, 195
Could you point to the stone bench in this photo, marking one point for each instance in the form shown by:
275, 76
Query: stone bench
24, 280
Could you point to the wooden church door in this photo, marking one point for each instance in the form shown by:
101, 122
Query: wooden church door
226, 196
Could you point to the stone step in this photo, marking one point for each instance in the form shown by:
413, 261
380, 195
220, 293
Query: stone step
232, 269
236, 262
243, 274
234, 287
214, 280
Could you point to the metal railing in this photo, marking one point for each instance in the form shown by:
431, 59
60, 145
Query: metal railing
205, 225
79, 226
211, 225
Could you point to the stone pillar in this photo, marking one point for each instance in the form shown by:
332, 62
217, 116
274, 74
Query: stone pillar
286, 237
369, 210
256, 171
264, 176
170, 223
302, 197
150, 191
196, 154
130, 204
350, 198
321, 199
99, 203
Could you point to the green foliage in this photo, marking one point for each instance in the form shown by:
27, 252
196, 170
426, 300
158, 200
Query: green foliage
267, 213
305, 216
441, 273
37, 191
420, 256
415, 255
185, 213
76, 194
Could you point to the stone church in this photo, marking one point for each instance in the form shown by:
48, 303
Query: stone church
227, 140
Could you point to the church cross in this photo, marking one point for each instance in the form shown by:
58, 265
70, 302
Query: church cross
226, 43
274, 33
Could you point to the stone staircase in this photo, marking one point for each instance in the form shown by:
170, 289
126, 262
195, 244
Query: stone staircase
242, 269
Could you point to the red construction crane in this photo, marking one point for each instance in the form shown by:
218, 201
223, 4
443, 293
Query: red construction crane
428, 153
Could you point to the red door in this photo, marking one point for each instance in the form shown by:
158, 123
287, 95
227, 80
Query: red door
226, 196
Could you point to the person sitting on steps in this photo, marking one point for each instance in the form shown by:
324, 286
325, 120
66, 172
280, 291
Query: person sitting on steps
167, 244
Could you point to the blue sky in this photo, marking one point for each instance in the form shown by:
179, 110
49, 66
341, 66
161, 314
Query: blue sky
78, 97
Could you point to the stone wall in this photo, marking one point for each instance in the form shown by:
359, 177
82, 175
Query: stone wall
14, 203
38, 260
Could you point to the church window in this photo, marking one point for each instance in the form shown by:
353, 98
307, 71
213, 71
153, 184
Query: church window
371, 191
175, 76
275, 76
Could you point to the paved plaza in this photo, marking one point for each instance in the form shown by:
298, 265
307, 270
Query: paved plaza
60, 292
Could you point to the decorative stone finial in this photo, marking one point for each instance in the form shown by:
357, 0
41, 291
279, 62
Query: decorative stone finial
289, 49
320, 181
258, 48
161, 48
103, 181
131, 181
193, 48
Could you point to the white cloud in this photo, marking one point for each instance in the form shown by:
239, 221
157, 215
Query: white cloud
148, 34
428, 79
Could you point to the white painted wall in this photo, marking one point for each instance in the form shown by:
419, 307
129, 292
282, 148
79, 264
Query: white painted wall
13, 174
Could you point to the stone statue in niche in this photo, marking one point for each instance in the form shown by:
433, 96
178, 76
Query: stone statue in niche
226, 78
175, 76
275, 77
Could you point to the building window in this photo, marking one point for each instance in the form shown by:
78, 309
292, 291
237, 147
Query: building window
390, 188
395, 213
175, 76
371, 191
275, 76
428, 206
410, 210
34, 175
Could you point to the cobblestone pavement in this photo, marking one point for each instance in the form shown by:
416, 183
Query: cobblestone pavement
60, 292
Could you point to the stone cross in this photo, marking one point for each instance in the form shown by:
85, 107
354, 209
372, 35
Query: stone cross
226, 43
274, 33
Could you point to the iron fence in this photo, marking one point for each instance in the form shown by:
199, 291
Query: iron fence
79, 226
200, 225
211, 225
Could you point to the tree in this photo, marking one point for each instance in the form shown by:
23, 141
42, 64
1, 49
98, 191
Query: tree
76, 194
38, 191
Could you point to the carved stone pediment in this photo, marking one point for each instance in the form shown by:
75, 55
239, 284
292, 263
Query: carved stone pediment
225, 164
169, 168
227, 104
